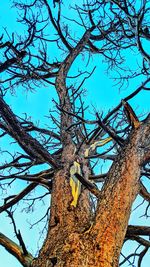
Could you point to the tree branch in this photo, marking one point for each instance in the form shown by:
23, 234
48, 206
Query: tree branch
90, 186
30, 145
99, 177
140, 240
138, 230
62, 90
144, 193
9, 62
110, 131
131, 116
61, 77
114, 110
16, 251
18, 197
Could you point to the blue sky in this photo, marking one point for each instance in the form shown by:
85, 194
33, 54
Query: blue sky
101, 93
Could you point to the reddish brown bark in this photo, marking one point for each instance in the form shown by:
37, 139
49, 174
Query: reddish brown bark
76, 240
77, 235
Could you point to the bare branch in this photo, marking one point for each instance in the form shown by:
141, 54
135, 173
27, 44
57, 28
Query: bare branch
18, 197
16, 251
26, 141
90, 186
141, 240
138, 230
144, 193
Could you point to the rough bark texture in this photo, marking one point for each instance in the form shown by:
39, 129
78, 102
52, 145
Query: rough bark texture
76, 240
50, 52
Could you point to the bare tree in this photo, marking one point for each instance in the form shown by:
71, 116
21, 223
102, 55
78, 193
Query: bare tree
87, 221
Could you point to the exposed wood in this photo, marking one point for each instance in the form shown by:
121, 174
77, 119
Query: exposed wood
131, 116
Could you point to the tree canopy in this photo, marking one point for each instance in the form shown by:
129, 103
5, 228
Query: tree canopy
89, 163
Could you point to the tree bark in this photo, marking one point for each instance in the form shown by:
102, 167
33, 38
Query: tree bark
75, 238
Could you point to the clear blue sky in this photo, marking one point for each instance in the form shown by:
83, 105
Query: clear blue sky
100, 92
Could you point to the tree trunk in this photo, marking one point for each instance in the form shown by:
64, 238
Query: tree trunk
75, 238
